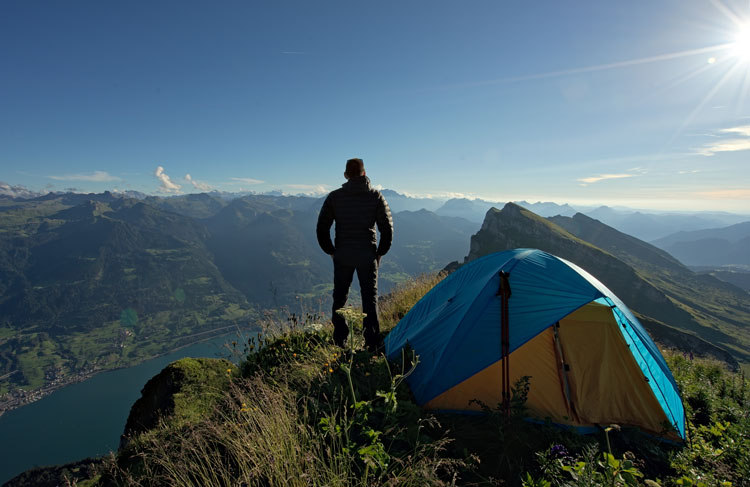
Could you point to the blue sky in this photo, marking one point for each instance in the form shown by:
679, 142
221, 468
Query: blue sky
636, 103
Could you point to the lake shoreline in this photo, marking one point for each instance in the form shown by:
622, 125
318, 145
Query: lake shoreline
20, 398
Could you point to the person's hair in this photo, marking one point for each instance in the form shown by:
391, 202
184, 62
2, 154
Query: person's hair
355, 167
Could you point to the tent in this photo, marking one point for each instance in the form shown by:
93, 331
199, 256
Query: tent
590, 361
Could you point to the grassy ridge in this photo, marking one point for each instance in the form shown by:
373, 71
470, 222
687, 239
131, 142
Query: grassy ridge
300, 411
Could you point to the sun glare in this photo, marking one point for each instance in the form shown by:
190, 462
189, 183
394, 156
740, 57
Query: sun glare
741, 44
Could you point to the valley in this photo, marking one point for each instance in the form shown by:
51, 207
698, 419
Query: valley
94, 282
100, 281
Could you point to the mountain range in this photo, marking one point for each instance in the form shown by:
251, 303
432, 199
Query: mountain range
710, 247
101, 283
646, 225
671, 299
94, 281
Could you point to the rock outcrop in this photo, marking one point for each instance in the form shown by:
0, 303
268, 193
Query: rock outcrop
186, 389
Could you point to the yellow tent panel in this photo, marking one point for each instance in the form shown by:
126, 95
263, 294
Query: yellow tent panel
599, 364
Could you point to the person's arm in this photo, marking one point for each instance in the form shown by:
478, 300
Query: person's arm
385, 227
323, 229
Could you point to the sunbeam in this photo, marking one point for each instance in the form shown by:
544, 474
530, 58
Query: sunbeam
741, 45
692, 74
727, 12
712, 64
743, 92
702, 104
604, 67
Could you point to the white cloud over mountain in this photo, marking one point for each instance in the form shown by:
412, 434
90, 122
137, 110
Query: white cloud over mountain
199, 185
167, 185
16, 191
309, 189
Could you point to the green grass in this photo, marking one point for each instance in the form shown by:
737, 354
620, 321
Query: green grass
299, 411
318, 291
6, 332
200, 281
36, 358
396, 278
29, 212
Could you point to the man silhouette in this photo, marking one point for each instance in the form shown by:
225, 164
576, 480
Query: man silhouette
356, 208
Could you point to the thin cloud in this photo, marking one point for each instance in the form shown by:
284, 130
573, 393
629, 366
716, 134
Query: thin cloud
454, 195
167, 186
732, 144
602, 177
199, 185
728, 145
730, 194
248, 180
309, 189
446, 195
742, 130
94, 177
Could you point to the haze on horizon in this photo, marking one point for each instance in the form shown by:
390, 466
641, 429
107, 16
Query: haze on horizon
587, 103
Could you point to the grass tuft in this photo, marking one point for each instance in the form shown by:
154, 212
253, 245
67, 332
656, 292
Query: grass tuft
301, 412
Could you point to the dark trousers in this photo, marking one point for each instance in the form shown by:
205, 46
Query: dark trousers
344, 265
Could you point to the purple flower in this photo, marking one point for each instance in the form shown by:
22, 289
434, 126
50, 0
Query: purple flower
558, 451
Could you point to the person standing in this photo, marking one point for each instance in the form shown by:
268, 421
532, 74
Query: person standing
357, 208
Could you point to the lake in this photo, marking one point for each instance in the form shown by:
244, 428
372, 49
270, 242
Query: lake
84, 419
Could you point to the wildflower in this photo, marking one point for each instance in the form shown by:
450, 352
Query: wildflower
558, 451
294, 354
330, 370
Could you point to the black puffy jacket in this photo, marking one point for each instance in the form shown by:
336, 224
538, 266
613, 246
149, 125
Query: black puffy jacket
356, 208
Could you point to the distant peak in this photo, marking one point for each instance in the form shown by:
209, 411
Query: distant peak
581, 216
511, 207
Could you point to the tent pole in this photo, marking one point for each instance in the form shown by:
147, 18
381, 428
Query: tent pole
562, 369
504, 293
